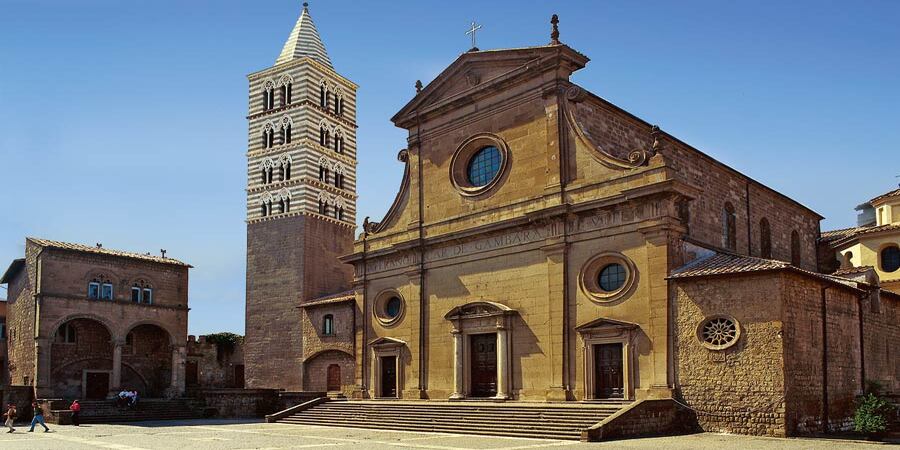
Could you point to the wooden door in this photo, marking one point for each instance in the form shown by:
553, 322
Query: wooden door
388, 376
608, 375
97, 385
334, 378
483, 361
239, 376
191, 374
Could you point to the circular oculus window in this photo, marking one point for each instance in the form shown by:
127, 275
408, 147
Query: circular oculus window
718, 332
389, 307
608, 277
478, 164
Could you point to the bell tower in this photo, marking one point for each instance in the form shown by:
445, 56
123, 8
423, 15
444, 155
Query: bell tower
301, 200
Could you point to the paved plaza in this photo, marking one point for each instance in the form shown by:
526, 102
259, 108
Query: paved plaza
231, 434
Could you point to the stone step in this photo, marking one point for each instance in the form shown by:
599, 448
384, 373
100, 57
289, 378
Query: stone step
467, 418
508, 419
480, 430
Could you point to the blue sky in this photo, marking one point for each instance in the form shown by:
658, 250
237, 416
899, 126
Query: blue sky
124, 122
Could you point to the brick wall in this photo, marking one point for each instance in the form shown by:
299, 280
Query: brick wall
740, 389
20, 320
881, 317
288, 259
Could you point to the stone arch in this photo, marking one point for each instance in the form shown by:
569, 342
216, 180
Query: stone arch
90, 352
315, 369
285, 79
172, 335
149, 355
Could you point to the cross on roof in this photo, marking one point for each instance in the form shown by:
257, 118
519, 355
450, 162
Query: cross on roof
472, 32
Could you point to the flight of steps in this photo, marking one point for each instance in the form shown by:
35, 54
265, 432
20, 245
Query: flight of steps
106, 411
501, 419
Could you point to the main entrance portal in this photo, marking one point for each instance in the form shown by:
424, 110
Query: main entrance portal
388, 376
484, 364
609, 377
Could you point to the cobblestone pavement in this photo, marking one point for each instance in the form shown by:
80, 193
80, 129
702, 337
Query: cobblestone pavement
223, 434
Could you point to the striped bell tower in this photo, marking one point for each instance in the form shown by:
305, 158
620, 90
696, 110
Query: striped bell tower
301, 199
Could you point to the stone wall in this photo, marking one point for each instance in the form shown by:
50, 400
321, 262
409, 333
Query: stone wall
239, 403
740, 389
881, 340
20, 320
216, 364
648, 417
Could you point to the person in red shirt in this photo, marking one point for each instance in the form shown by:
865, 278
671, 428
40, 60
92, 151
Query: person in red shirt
75, 407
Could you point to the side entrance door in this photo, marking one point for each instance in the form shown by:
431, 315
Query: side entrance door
96, 385
191, 373
484, 364
333, 382
609, 377
389, 376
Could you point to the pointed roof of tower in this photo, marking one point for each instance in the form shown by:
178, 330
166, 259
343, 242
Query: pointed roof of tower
304, 41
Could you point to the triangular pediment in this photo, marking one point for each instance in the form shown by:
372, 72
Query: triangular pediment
383, 342
602, 323
478, 71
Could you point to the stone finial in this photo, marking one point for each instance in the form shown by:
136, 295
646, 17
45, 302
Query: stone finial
163, 252
418, 86
99, 245
554, 35
305, 5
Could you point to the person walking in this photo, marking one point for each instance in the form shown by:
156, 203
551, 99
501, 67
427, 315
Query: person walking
10, 415
38, 417
75, 407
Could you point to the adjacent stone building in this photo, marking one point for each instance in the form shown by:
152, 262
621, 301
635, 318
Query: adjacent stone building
301, 205
83, 321
4, 358
874, 243
214, 364
546, 245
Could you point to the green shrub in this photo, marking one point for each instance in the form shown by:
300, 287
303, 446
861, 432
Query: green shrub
871, 414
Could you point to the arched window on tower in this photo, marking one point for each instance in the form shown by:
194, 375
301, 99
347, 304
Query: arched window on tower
286, 133
323, 173
765, 239
323, 207
339, 142
269, 175
339, 106
282, 206
796, 258
327, 99
283, 94
339, 180
286, 204
339, 212
729, 227
289, 93
322, 95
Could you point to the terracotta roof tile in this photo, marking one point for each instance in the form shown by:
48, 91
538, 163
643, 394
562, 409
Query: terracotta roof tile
105, 251
725, 263
330, 298
852, 270
894, 193
836, 237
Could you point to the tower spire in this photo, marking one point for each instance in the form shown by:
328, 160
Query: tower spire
304, 41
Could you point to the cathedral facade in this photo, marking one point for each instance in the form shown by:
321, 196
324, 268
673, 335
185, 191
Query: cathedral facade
546, 245
301, 205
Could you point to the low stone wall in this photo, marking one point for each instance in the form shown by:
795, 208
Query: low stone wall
649, 417
246, 403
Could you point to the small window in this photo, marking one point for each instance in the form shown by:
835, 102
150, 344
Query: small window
283, 95
322, 95
612, 277
286, 171
392, 307
263, 211
290, 93
328, 325
339, 180
106, 291
795, 248
281, 206
323, 208
2, 328
286, 134
890, 259
136, 294
66, 334
339, 212
765, 239
729, 227
323, 174
94, 290
287, 205
718, 333
148, 296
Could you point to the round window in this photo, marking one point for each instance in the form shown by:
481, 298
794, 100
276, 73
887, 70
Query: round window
392, 307
890, 259
389, 307
719, 332
612, 277
608, 277
484, 166
479, 164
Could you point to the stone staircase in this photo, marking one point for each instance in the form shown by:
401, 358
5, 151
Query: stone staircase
531, 420
106, 411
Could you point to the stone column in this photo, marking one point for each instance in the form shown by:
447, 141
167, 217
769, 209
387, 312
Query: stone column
178, 357
502, 360
457, 365
116, 381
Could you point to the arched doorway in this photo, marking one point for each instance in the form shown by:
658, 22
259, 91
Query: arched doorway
328, 370
147, 360
81, 359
